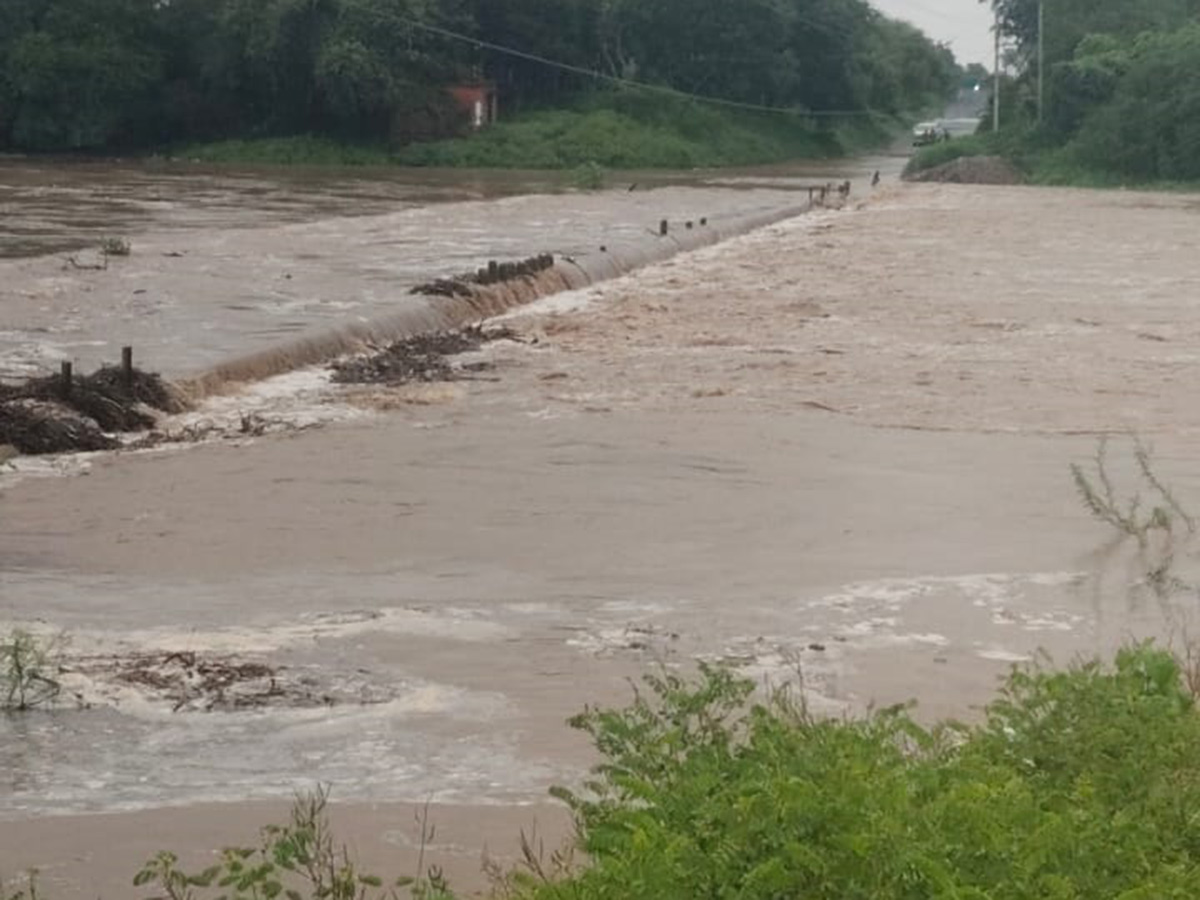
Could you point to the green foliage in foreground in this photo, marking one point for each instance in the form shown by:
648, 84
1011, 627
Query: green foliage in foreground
1079, 784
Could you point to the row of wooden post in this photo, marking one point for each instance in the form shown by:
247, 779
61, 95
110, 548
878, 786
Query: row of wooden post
664, 227
68, 377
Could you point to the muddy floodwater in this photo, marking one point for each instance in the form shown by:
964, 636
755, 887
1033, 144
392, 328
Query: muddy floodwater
832, 451
224, 262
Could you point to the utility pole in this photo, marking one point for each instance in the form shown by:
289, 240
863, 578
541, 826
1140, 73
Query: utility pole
996, 88
1041, 58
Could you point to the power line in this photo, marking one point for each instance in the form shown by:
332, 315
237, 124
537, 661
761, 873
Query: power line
626, 82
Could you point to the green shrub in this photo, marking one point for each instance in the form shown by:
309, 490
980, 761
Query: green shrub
590, 177
1078, 784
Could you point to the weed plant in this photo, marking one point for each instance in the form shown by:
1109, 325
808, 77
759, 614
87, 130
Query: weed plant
27, 667
590, 177
1131, 516
299, 861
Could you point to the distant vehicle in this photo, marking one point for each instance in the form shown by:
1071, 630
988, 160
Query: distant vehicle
926, 133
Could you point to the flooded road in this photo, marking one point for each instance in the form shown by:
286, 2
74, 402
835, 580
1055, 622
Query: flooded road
837, 447
226, 263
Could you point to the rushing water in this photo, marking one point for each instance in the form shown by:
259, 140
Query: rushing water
226, 262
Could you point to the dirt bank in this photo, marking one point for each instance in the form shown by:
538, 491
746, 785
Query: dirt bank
970, 170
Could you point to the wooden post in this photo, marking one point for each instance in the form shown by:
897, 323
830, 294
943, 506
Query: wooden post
66, 379
663, 228
127, 366
493, 269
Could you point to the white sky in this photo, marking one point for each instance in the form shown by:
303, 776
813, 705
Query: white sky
963, 24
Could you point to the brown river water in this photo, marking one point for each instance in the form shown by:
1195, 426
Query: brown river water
837, 446
228, 262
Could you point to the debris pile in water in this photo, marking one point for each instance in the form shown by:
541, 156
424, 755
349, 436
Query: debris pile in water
495, 273
205, 682
50, 415
423, 357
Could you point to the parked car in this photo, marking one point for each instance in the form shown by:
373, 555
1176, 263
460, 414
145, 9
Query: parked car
926, 133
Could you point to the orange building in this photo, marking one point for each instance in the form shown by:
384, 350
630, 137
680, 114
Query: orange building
480, 102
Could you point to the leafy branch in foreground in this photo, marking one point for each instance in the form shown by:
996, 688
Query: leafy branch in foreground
298, 861
1130, 517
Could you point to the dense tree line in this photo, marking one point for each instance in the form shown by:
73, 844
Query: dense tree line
84, 74
1122, 83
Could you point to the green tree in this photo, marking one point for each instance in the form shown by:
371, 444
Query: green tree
78, 74
1150, 129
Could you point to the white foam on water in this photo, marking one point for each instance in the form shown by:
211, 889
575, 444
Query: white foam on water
300, 399
58, 465
1001, 655
990, 591
457, 625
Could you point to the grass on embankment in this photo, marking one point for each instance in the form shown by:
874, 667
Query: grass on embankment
613, 132
635, 133
297, 150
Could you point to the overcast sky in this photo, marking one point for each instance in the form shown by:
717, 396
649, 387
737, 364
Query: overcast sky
964, 24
